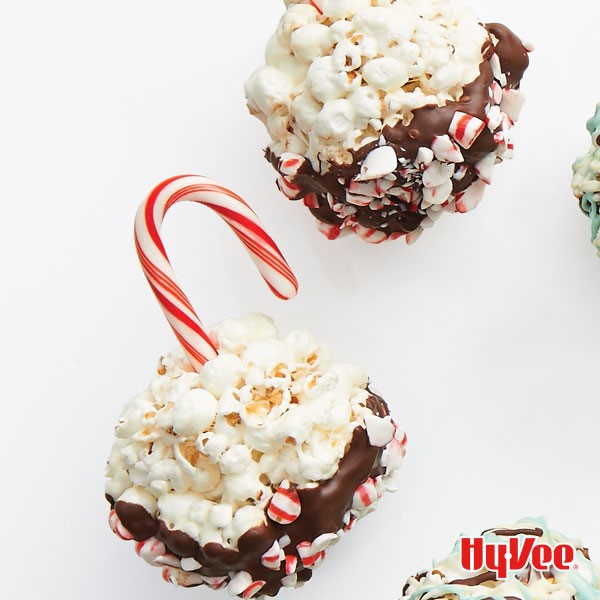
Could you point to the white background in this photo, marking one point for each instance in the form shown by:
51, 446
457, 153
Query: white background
484, 337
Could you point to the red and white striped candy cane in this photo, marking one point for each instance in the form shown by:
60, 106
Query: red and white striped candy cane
157, 268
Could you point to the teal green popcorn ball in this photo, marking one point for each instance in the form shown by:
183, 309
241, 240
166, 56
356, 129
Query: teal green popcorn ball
586, 179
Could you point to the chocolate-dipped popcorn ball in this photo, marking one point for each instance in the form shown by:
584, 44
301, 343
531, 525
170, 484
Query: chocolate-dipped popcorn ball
249, 454
524, 561
586, 179
383, 114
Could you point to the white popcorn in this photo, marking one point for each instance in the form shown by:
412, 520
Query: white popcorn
358, 66
205, 452
339, 9
271, 89
310, 41
221, 373
385, 74
221, 515
231, 335
194, 411
366, 103
325, 82
212, 445
235, 460
335, 121
347, 56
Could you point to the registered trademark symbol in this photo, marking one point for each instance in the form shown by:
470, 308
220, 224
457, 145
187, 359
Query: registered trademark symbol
575, 567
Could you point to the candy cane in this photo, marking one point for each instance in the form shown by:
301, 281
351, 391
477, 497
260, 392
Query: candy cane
159, 273
317, 5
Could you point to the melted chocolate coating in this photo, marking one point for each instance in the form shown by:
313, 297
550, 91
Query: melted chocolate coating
428, 122
513, 56
323, 510
138, 522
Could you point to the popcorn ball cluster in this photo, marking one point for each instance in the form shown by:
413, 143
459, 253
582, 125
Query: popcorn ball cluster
586, 179
385, 113
448, 580
242, 475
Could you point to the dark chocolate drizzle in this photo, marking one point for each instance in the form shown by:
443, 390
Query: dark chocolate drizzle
537, 532
427, 122
476, 580
323, 510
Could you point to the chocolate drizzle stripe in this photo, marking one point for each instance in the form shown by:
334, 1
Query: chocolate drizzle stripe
537, 532
477, 580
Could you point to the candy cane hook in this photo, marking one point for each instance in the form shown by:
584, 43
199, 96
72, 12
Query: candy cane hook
156, 266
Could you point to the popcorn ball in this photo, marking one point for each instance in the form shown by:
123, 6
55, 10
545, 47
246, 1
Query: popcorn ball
249, 454
383, 114
586, 179
578, 580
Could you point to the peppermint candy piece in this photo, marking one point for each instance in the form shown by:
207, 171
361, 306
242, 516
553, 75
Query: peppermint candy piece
330, 231
311, 201
365, 495
190, 564
290, 164
375, 188
496, 92
273, 557
372, 236
485, 168
291, 564
465, 129
380, 431
393, 455
378, 163
117, 527
289, 189
357, 199
239, 583
167, 560
424, 157
181, 578
253, 589
437, 173
471, 197
323, 542
493, 118
285, 505
151, 550
290, 581
350, 521
413, 236
310, 559
512, 103
437, 195
446, 150
215, 583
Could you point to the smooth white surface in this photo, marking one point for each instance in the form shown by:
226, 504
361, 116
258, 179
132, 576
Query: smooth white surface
484, 337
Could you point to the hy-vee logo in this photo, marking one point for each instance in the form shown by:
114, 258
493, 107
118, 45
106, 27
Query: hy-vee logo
516, 555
